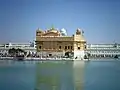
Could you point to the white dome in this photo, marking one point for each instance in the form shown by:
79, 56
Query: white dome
63, 32
79, 29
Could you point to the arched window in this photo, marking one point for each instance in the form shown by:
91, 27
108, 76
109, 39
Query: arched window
39, 47
59, 47
78, 48
68, 47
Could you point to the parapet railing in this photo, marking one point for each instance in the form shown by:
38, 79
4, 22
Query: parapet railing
17, 47
110, 48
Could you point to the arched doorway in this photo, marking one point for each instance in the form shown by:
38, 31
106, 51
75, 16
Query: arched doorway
69, 54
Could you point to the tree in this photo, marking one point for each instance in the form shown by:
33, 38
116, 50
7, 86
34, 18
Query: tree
14, 51
19, 50
85, 56
88, 54
67, 54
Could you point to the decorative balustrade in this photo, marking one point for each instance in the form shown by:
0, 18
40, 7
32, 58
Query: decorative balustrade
112, 48
17, 47
54, 39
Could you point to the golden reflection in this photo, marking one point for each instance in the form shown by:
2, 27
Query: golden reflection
78, 75
66, 75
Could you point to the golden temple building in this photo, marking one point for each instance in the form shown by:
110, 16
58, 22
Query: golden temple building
53, 42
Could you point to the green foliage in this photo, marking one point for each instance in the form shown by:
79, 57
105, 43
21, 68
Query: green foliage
14, 51
85, 57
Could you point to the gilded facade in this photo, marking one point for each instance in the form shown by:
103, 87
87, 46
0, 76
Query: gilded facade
53, 42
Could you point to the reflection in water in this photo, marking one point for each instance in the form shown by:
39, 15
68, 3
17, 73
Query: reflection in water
78, 67
60, 75
65, 75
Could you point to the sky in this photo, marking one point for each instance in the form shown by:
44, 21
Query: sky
99, 19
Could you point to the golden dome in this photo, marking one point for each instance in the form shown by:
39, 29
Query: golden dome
55, 31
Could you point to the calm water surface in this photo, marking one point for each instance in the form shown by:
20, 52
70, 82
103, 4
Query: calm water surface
60, 75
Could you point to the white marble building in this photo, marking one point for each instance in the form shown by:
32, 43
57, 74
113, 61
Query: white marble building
103, 49
94, 50
28, 47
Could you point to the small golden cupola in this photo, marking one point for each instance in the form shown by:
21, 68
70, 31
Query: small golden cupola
39, 32
78, 31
